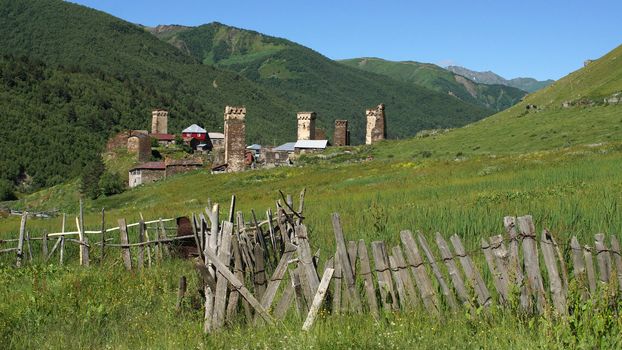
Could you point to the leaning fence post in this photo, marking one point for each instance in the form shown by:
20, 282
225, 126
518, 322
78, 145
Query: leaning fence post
532, 265
44, 246
20, 242
421, 277
578, 264
103, 234
62, 242
555, 282
346, 266
603, 258
317, 300
589, 269
615, 252
449, 296
125, 250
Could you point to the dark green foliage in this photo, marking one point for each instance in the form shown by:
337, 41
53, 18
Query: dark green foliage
92, 172
111, 183
6, 191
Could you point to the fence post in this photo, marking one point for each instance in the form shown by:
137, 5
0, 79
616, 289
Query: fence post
603, 258
348, 274
615, 248
125, 251
224, 255
532, 265
421, 277
383, 273
20, 242
578, 264
483, 295
555, 282
452, 269
449, 296
589, 269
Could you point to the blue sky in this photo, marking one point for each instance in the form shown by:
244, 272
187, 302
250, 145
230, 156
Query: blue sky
541, 39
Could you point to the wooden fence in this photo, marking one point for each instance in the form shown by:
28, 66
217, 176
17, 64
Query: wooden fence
257, 270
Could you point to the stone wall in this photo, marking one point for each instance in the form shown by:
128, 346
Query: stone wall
140, 145
159, 121
145, 176
235, 138
375, 125
306, 125
341, 137
178, 166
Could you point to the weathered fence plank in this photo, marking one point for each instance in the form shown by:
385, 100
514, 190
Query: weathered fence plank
20, 242
227, 275
452, 269
337, 282
141, 249
125, 252
603, 258
348, 274
234, 295
411, 293
532, 264
501, 258
399, 284
555, 282
318, 299
224, 257
259, 278
615, 253
471, 271
578, 265
496, 275
305, 258
365, 272
277, 276
383, 273
421, 277
589, 269
447, 293
515, 268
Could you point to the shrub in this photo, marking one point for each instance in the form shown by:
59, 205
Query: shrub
7, 191
111, 183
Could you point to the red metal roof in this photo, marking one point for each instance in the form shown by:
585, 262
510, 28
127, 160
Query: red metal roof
150, 166
163, 137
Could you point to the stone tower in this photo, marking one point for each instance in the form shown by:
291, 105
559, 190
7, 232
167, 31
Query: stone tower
235, 138
159, 121
341, 137
375, 125
306, 125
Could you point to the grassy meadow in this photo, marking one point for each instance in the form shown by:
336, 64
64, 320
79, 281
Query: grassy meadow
378, 191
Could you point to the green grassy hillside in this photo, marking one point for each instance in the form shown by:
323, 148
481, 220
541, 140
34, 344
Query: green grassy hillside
495, 97
314, 82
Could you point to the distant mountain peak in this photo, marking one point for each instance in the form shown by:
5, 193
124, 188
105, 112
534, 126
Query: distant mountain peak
489, 77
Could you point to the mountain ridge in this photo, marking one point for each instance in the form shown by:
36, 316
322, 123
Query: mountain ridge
495, 97
488, 77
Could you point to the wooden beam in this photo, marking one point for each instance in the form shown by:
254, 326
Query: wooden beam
318, 299
222, 269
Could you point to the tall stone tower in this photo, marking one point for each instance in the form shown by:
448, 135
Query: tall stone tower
235, 138
375, 125
341, 137
306, 125
159, 121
